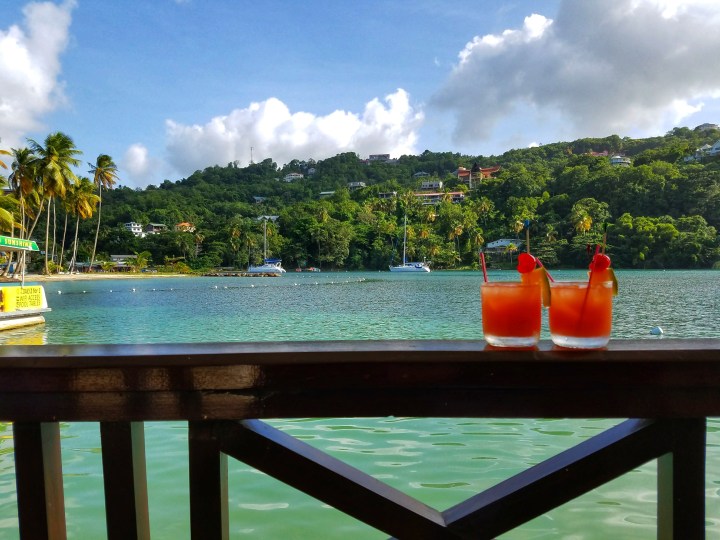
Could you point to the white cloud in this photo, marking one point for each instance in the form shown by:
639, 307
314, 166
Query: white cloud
274, 132
30, 68
138, 168
636, 67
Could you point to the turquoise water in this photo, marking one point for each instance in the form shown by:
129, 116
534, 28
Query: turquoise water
439, 461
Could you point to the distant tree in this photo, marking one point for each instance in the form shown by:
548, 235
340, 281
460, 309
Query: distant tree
105, 175
55, 160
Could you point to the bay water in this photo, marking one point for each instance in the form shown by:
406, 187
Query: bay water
437, 460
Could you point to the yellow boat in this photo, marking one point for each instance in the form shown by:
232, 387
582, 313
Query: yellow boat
21, 305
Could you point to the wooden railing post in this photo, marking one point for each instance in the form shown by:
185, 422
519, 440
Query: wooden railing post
681, 483
124, 471
38, 473
208, 484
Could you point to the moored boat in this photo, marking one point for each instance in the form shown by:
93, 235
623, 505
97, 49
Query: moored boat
21, 305
409, 266
271, 267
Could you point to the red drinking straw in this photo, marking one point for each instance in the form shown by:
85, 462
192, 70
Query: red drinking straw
484, 268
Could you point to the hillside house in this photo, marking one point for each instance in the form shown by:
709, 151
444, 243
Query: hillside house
155, 228
456, 197
433, 185
500, 245
135, 228
620, 161
477, 173
185, 227
293, 176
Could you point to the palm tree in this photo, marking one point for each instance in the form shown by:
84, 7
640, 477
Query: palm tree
54, 161
3, 153
23, 182
7, 217
23, 179
81, 202
139, 261
104, 175
511, 248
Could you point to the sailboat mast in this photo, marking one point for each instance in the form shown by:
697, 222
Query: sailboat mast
405, 239
264, 239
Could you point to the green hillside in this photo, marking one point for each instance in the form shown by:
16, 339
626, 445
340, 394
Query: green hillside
661, 211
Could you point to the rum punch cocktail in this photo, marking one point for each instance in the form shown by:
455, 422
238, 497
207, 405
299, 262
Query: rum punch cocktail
580, 315
511, 313
511, 310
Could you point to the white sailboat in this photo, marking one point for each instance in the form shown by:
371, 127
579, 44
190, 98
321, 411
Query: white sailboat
409, 266
269, 266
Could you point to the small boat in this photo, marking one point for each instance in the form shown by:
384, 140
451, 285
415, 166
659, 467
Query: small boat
409, 266
21, 305
271, 267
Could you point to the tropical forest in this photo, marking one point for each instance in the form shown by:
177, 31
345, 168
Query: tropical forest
655, 202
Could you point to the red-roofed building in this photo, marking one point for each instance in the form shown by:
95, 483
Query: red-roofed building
185, 227
476, 173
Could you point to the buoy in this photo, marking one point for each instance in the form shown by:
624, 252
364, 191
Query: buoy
656, 331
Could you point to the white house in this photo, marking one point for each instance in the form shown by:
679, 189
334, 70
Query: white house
502, 244
620, 161
714, 149
434, 185
135, 228
352, 186
291, 177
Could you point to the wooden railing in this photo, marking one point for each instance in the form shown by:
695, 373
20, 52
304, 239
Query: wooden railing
666, 388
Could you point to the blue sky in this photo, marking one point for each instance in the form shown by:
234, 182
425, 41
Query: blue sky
171, 86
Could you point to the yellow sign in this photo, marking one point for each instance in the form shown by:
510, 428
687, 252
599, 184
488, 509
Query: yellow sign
14, 298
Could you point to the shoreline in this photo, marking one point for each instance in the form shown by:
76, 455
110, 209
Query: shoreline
93, 277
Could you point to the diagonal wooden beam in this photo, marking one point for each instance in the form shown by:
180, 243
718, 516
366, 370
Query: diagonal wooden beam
560, 479
330, 480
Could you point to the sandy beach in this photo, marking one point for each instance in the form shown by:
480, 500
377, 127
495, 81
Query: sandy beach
95, 276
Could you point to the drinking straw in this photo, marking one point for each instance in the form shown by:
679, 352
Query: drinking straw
587, 292
484, 268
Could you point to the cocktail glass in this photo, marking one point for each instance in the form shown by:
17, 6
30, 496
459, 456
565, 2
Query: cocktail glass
580, 314
511, 313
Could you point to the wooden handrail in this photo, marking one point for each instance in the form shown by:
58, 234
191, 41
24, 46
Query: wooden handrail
223, 389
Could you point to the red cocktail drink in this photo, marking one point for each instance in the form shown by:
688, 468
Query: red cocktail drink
511, 313
580, 315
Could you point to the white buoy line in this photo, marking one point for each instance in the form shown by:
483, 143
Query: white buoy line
224, 287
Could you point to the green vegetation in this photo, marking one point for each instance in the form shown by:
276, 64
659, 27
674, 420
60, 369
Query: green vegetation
661, 212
